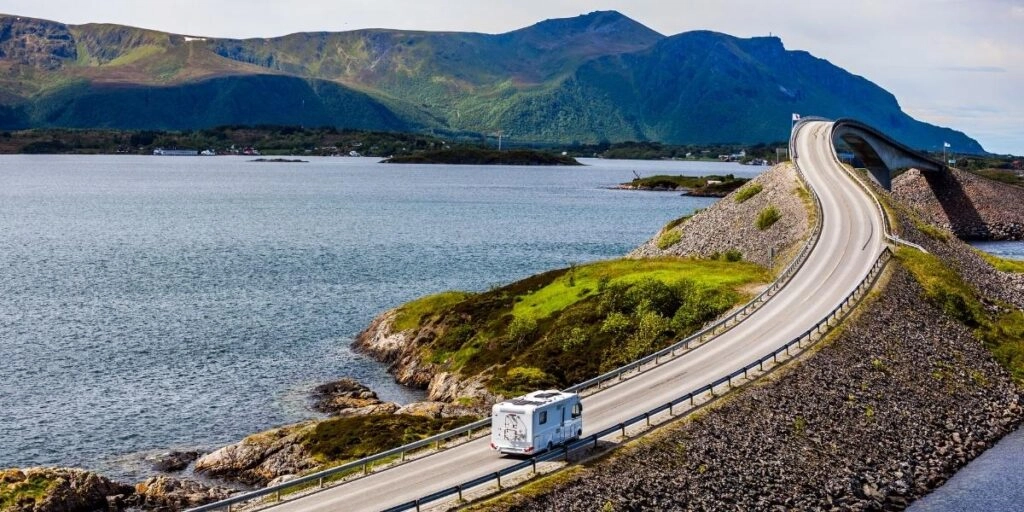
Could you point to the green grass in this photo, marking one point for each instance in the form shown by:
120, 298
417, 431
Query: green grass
557, 295
412, 313
668, 239
673, 223
1002, 332
14, 492
767, 217
351, 438
747, 192
1003, 264
564, 326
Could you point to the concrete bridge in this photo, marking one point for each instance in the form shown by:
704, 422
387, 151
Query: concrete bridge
879, 153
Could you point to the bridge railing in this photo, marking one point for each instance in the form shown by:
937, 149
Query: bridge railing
887, 226
365, 465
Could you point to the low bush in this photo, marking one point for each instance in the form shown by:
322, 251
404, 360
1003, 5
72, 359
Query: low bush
747, 192
767, 217
354, 437
668, 239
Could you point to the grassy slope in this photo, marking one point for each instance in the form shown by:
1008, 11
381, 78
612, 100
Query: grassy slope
563, 326
1002, 328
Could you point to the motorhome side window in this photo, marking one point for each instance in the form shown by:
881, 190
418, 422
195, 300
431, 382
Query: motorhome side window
543, 417
577, 410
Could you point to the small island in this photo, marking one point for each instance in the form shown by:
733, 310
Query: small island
700, 186
281, 160
475, 156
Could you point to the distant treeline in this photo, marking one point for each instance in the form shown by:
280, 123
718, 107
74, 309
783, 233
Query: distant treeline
327, 141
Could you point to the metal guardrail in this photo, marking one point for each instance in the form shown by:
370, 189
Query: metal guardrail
365, 465
802, 342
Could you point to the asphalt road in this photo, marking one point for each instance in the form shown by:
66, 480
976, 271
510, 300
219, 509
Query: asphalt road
851, 239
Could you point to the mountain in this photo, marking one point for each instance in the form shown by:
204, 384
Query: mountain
599, 76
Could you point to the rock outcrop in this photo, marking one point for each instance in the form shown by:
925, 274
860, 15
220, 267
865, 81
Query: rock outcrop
261, 457
59, 490
166, 494
729, 225
970, 206
173, 461
348, 397
402, 351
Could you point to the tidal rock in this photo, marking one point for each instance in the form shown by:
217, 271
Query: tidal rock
173, 461
343, 395
167, 494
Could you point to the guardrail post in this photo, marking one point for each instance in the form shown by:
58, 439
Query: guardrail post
497, 476
670, 413
417, 505
320, 483
365, 470
460, 492
229, 507
403, 455
647, 416
533, 462
277, 496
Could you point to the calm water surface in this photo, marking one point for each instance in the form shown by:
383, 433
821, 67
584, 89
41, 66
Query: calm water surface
149, 303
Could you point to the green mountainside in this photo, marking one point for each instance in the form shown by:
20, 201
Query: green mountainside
596, 77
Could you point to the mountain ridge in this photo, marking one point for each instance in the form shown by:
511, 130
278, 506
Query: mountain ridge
594, 77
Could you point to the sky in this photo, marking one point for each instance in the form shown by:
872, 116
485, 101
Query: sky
955, 63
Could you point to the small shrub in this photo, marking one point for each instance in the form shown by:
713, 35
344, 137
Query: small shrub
733, 255
673, 223
650, 328
520, 330
573, 339
617, 325
767, 217
747, 192
668, 239
524, 379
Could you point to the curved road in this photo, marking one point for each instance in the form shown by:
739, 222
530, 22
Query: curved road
851, 240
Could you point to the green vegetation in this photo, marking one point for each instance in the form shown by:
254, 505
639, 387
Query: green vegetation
564, 326
669, 238
767, 217
1002, 332
673, 223
412, 314
349, 438
476, 156
709, 186
1002, 264
269, 140
15, 491
748, 192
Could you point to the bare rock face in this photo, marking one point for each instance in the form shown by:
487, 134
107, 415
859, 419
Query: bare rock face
66, 490
260, 458
435, 410
167, 494
970, 206
37, 44
348, 397
729, 225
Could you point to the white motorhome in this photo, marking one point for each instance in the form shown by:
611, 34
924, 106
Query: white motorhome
536, 422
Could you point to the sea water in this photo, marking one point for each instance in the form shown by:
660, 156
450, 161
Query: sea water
154, 303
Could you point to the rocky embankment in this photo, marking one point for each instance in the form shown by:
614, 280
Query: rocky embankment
889, 410
729, 225
76, 490
972, 207
401, 351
